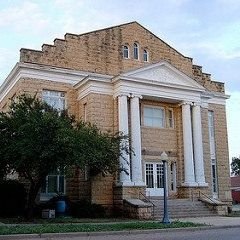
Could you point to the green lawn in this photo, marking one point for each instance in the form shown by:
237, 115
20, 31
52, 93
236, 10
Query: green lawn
88, 227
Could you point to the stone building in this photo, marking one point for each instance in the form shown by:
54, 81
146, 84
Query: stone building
125, 78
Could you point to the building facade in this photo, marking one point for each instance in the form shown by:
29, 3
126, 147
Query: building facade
126, 79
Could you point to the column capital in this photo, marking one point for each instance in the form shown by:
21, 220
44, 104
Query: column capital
128, 95
132, 95
186, 103
197, 104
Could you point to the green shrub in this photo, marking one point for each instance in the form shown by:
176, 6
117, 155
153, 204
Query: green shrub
13, 198
85, 209
51, 204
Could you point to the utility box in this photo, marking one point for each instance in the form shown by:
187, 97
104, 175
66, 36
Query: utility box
48, 213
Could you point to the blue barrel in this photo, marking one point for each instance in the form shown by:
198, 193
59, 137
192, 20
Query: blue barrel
60, 207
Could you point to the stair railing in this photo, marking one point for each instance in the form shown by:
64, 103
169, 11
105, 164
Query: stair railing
147, 199
206, 196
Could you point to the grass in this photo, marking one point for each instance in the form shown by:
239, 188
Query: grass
88, 227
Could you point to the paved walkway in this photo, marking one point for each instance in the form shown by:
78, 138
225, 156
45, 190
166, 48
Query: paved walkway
217, 221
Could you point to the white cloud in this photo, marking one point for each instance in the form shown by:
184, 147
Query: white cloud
27, 16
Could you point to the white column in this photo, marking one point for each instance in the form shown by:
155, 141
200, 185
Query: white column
123, 128
188, 146
136, 156
198, 144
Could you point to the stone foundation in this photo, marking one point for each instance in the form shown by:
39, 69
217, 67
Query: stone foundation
192, 192
121, 193
137, 209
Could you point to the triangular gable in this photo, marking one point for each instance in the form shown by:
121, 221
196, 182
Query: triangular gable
165, 73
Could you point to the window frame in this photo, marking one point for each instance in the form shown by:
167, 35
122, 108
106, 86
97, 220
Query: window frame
168, 119
126, 50
60, 96
145, 55
49, 95
135, 51
163, 118
45, 194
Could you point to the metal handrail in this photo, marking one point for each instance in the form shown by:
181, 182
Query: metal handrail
148, 200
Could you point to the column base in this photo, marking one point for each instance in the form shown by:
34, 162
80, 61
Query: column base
190, 184
125, 184
203, 184
139, 184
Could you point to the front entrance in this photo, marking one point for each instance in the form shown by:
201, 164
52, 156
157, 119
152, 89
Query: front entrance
154, 179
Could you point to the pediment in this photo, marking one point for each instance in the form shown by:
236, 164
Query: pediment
163, 73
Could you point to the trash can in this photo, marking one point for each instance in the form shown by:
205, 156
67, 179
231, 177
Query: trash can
60, 207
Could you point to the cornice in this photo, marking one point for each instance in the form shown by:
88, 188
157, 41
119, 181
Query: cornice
44, 72
86, 82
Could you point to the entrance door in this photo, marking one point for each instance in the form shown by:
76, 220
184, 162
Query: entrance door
154, 179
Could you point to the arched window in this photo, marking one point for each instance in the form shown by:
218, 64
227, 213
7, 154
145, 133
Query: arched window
135, 51
125, 51
145, 55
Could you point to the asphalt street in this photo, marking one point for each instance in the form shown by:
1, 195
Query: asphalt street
209, 234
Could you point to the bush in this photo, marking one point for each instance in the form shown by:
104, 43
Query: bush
85, 209
51, 204
13, 198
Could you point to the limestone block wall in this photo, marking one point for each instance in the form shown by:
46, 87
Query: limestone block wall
206, 151
101, 51
205, 80
159, 139
222, 157
99, 110
36, 86
102, 190
78, 185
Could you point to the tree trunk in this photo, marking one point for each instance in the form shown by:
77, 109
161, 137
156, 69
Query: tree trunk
32, 194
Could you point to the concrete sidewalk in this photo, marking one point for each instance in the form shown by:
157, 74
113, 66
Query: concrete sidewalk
217, 221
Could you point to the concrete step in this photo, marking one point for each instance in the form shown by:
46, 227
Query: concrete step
180, 208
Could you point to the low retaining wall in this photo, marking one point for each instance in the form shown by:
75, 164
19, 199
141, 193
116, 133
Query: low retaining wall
136, 208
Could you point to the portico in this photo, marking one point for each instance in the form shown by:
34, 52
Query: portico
160, 83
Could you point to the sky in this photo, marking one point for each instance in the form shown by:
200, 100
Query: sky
207, 31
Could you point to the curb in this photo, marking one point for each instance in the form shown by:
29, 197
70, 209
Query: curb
130, 232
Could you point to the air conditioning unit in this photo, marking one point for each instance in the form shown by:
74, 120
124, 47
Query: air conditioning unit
48, 213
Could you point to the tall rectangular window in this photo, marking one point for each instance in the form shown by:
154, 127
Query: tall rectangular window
135, 51
169, 118
153, 116
149, 176
125, 51
211, 132
214, 176
145, 55
55, 181
55, 99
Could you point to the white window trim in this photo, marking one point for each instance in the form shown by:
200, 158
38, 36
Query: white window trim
167, 118
137, 47
173, 176
46, 93
145, 53
123, 49
45, 196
